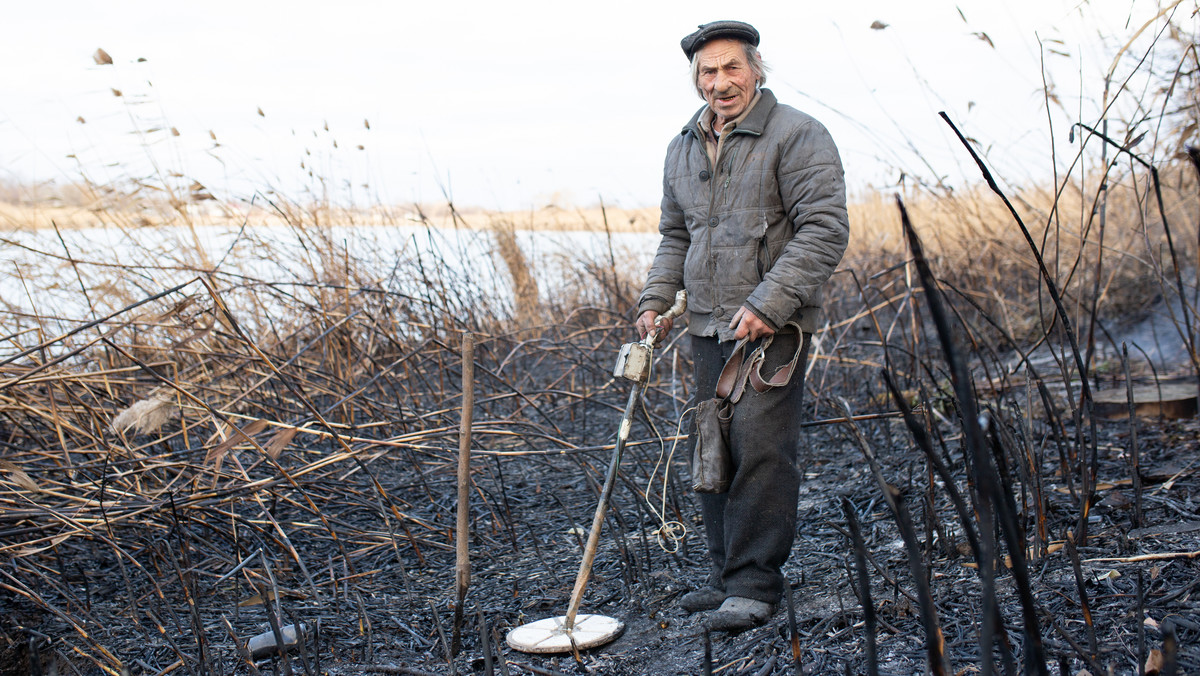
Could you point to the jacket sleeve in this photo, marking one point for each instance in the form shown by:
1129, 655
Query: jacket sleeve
812, 188
666, 272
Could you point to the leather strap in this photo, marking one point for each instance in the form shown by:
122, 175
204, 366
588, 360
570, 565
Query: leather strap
731, 384
733, 377
783, 374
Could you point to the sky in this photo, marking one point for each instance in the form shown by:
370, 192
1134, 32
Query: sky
521, 105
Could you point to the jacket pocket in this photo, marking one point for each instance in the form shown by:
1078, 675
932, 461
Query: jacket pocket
762, 255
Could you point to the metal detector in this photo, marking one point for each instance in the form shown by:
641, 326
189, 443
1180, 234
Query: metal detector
573, 632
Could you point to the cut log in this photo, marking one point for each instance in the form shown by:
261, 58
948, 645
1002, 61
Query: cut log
1168, 400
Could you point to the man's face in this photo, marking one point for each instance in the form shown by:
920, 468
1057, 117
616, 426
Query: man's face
725, 78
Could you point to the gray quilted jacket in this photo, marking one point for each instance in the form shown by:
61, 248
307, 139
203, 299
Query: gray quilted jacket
765, 228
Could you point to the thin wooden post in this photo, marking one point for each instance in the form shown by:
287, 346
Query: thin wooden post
462, 567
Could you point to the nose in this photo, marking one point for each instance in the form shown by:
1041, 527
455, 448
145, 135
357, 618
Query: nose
720, 81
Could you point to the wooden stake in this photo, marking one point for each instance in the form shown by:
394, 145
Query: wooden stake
462, 567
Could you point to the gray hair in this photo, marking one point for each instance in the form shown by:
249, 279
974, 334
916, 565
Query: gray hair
753, 58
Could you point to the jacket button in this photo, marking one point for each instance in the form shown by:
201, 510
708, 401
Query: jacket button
712, 222
704, 175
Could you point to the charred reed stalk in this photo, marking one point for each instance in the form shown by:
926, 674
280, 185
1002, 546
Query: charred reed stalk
992, 499
1089, 476
1134, 452
935, 645
863, 585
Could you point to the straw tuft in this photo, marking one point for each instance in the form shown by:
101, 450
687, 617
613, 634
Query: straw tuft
146, 416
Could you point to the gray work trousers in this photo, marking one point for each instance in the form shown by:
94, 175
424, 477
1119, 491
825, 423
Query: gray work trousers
750, 528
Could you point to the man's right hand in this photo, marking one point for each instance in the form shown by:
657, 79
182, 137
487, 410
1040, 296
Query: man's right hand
645, 324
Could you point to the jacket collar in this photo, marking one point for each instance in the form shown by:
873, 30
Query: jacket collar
754, 123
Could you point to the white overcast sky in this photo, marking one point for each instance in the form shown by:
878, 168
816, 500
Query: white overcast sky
516, 105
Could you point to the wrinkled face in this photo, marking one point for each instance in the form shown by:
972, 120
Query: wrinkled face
725, 78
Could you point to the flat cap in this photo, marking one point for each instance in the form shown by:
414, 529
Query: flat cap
737, 30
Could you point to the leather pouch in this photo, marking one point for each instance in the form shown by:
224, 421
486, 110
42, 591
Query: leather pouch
712, 464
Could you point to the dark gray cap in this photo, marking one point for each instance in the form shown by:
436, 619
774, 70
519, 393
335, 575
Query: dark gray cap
736, 30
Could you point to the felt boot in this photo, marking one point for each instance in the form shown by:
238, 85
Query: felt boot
739, 613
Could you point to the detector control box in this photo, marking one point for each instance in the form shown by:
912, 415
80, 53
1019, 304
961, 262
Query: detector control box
633, 363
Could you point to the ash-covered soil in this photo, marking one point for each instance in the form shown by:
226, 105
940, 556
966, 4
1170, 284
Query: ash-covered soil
638, 583
528, 512
160, 561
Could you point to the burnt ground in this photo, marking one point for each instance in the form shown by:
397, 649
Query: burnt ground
153, 553
380, 618
640, 584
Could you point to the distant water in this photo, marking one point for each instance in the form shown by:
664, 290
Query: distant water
94, 271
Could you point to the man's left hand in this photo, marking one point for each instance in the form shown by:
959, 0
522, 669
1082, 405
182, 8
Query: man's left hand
747, 323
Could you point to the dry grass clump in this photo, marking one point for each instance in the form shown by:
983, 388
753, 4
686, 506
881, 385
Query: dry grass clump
146, 416
1115, 264
525, 288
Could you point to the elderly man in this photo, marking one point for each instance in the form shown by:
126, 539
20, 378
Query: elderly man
753, 224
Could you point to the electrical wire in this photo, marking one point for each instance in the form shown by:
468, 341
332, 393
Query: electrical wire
670, 533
